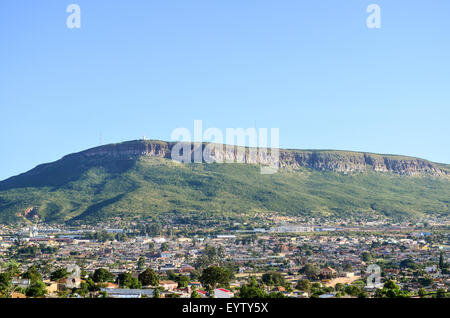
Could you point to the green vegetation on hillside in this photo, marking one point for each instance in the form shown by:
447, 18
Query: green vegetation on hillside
89, 190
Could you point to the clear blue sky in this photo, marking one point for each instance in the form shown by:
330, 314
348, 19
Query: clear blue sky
311, 68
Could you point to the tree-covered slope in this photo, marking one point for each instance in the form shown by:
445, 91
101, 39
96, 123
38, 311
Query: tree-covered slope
89, 189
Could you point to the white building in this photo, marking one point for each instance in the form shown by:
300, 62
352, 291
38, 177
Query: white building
223, 293
292, 229
128, 293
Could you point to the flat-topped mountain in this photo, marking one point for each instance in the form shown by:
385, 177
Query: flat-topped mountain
323, 160
139, 179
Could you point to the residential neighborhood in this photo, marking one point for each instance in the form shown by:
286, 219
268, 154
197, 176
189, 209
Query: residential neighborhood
283, 260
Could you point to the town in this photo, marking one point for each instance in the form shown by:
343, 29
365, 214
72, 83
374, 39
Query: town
258, 257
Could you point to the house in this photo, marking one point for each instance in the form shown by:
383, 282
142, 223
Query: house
373, 288
223, 293
187, 269
347, 274
52, 287
391, 272
431, 269
202, 293
111, 285
301, 294
17, 295
327, 272
166, 254
69, 282
128, 293
22, 283
327, 296
168, 285
197, 285
183, 292
73, 280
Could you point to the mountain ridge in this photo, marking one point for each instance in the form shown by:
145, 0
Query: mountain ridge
318, 159
138, 179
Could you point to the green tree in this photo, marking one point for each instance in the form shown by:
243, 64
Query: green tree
12, 268
442, 264
5, 284
91, 285
171, 275
309, 270
338, 287
36, 289
304, 285
149, 278
153, 229
426, 281
353, 290
183, 281
209, 257
32, 274
128, 281
366, 257
58, 274
195, 294
441, 293
276, 295
63, 293
164, 247
391, 290
215, 276
252, 290
348, 267
121, 237
422, 292
273, 279
141, 263
83, 290
195, 275
102, 275
408, 263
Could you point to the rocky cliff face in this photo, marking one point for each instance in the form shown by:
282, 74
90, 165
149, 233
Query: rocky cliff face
350, 162
339, 161
128, 150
